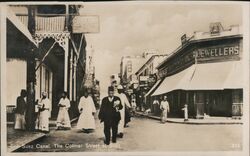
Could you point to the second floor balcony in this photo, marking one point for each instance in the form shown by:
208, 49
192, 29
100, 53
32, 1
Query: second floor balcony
46, 22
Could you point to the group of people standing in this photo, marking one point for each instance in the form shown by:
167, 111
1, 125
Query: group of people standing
42, 112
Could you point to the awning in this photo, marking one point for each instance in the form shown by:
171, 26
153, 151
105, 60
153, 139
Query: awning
175, 82
216, 76
153, 88
19, 25
209, 76
235, 79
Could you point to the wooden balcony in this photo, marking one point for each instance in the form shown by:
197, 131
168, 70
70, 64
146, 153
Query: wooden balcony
46, 23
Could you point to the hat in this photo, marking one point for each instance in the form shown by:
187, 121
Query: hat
111, 88
120, 87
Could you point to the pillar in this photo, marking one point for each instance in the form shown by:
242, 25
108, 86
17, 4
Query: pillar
74, 93
31, 75
66, 54
71, 75
3, 46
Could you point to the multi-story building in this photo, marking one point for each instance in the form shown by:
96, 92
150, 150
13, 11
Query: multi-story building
148, 76
206, 73
53, 60
129, 66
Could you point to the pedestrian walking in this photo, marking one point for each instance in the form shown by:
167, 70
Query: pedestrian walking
87, 109
20, 111
165, 109
110, 115
133, 104
44, 109
156, 105
125, 105
127, 116
63, 121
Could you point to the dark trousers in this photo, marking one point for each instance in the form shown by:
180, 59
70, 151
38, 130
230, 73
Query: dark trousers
108, 125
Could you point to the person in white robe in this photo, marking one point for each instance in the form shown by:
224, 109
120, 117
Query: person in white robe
125, 103
165, 109
63, 120
44, 106
87, 109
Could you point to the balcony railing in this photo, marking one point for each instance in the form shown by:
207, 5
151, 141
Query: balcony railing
50, 24
24, 19
46, 23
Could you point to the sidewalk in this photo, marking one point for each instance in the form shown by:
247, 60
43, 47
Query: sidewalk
206, 121
16, 138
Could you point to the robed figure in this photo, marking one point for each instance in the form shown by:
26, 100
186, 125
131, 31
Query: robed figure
165, 109
125, 103
44, 106
110, 115
87, 109
63, 120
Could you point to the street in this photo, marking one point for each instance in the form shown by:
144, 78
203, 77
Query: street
145, 135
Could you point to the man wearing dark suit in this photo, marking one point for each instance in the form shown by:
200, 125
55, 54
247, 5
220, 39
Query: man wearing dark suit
110, 115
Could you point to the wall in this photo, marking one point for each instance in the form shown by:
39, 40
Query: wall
16, 75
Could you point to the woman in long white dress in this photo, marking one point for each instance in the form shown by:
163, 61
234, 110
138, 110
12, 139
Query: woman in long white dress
87, 109
63, 120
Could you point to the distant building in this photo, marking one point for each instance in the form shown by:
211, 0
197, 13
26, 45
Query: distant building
129, 66
148, 76
206, 73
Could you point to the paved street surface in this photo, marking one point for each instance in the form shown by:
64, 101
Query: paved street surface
17, 138
146, 135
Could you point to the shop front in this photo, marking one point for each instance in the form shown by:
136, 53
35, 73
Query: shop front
206, 75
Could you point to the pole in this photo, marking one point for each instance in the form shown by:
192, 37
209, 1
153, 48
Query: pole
74, 98
3, 46
31, 75
71, 75
47, 53
66, 51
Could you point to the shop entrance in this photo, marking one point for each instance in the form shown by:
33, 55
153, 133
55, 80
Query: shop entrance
218, 103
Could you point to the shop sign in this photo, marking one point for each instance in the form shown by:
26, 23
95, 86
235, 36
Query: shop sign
86, 24
224, 51
144, 78
215, 53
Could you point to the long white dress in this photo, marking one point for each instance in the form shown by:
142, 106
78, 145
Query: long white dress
124, 102
165, 109
63, 115
86, 119
43, 118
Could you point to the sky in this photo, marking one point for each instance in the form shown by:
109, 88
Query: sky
129, 28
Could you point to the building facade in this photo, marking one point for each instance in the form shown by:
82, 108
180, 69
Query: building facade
205, 73
55, 65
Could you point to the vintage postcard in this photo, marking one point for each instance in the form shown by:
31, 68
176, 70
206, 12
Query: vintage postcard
125, 78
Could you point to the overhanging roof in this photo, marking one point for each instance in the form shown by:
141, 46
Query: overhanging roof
20, 26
